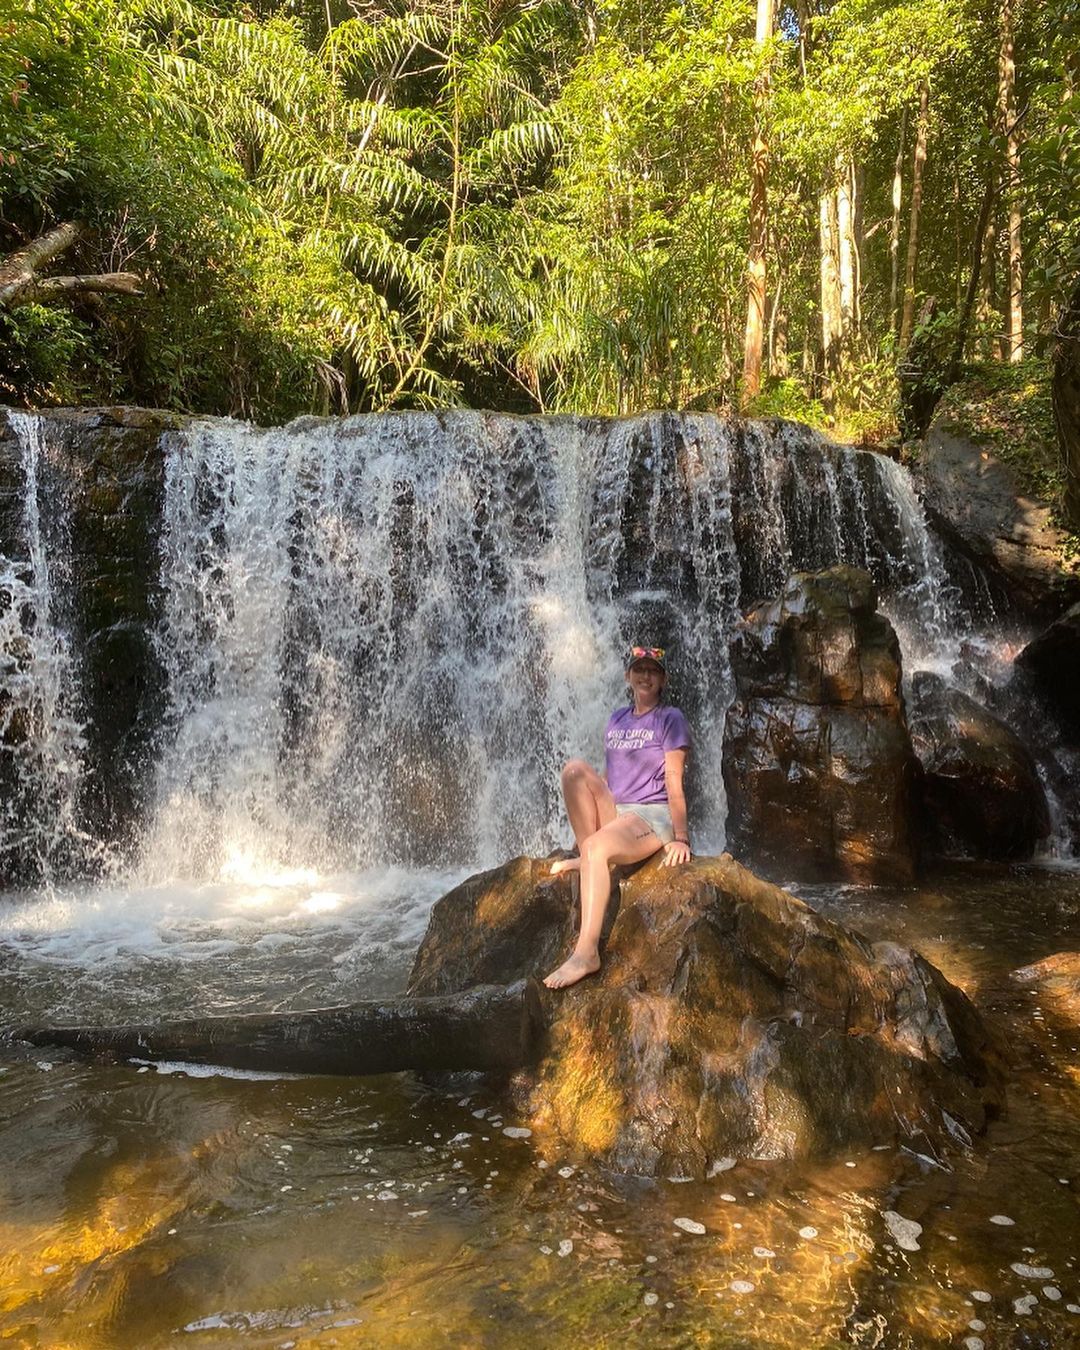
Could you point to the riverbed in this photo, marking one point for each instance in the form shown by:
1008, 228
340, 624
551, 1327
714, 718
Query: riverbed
152, 1206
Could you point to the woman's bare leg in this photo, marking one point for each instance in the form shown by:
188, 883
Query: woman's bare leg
627, 839
589, 805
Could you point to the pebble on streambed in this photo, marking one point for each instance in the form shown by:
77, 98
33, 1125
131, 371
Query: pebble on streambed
905, 1232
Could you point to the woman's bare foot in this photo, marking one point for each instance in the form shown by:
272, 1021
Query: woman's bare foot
574, 968
565, 865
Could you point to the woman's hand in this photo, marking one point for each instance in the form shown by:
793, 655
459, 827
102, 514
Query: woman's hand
676, 851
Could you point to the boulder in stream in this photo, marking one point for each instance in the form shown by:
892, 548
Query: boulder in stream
1051, 661
729, 1020
817, 760
982, 796
973, 497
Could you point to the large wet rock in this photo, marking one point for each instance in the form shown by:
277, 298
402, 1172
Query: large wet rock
981, 792
817, 760
729, 1020
1051, 662
973, 497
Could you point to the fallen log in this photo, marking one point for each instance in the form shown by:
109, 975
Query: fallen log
21, 284
491, 1027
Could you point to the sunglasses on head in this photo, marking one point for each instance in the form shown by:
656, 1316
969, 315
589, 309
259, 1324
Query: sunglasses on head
647, 654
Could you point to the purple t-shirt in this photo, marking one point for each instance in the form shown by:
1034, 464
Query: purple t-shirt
634, 751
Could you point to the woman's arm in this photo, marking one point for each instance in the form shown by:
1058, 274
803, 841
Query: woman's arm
678, 851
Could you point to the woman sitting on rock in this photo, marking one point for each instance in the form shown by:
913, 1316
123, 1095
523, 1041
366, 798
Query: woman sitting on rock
636, 809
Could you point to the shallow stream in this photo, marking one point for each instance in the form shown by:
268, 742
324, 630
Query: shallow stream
165, 1206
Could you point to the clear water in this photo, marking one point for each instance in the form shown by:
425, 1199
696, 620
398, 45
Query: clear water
157, 1207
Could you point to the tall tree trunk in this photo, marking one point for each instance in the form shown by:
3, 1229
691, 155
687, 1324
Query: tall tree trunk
759, 215
1065, 392
847, 252
992, 345
907, 320
830, 291
894, 236
968, 307
1014, 313
858, 241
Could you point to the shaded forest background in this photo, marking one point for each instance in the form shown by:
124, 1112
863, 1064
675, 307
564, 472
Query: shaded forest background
264, 209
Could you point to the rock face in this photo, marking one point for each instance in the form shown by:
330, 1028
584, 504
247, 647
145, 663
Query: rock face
981, 792
817, 760
974, 500
729, 1019
1052, 662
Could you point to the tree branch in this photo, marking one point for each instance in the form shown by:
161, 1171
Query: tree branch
20, 284
18, 269
44, 289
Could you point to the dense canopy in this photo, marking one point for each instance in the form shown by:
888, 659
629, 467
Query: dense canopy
536, 206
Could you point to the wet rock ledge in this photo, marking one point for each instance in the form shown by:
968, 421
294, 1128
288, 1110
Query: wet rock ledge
729, 1020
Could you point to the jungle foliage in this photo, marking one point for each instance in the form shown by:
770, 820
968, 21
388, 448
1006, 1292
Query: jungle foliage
529, 204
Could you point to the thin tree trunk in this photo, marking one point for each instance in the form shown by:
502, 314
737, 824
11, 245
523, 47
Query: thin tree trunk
992, 345
968, 307
894, 237
907, 320
778, 335
847, 253
858, 243
759, 215
1014, 313
830, 291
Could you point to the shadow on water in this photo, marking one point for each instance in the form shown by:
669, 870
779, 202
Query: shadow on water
159, 1207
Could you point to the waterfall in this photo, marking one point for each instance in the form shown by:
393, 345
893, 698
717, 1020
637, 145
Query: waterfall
42, 729
381, 636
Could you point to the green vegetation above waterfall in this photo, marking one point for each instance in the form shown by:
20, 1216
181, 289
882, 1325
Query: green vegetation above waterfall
266, 210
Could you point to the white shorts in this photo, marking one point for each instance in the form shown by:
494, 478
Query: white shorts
657, 815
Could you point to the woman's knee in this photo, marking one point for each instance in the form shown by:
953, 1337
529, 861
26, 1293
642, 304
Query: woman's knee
598, 847
576, 769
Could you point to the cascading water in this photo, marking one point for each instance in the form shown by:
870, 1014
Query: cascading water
42, 732
383, 637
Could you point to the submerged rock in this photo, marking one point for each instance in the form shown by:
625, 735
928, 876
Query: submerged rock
981, 792
729, 1020
1057, 978
817, 759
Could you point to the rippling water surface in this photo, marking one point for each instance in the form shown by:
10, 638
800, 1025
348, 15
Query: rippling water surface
167, 1206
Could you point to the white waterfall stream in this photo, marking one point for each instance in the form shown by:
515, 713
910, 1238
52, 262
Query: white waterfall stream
42, 732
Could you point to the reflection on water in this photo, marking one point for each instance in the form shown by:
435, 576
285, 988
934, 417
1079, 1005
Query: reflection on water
150, 1208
